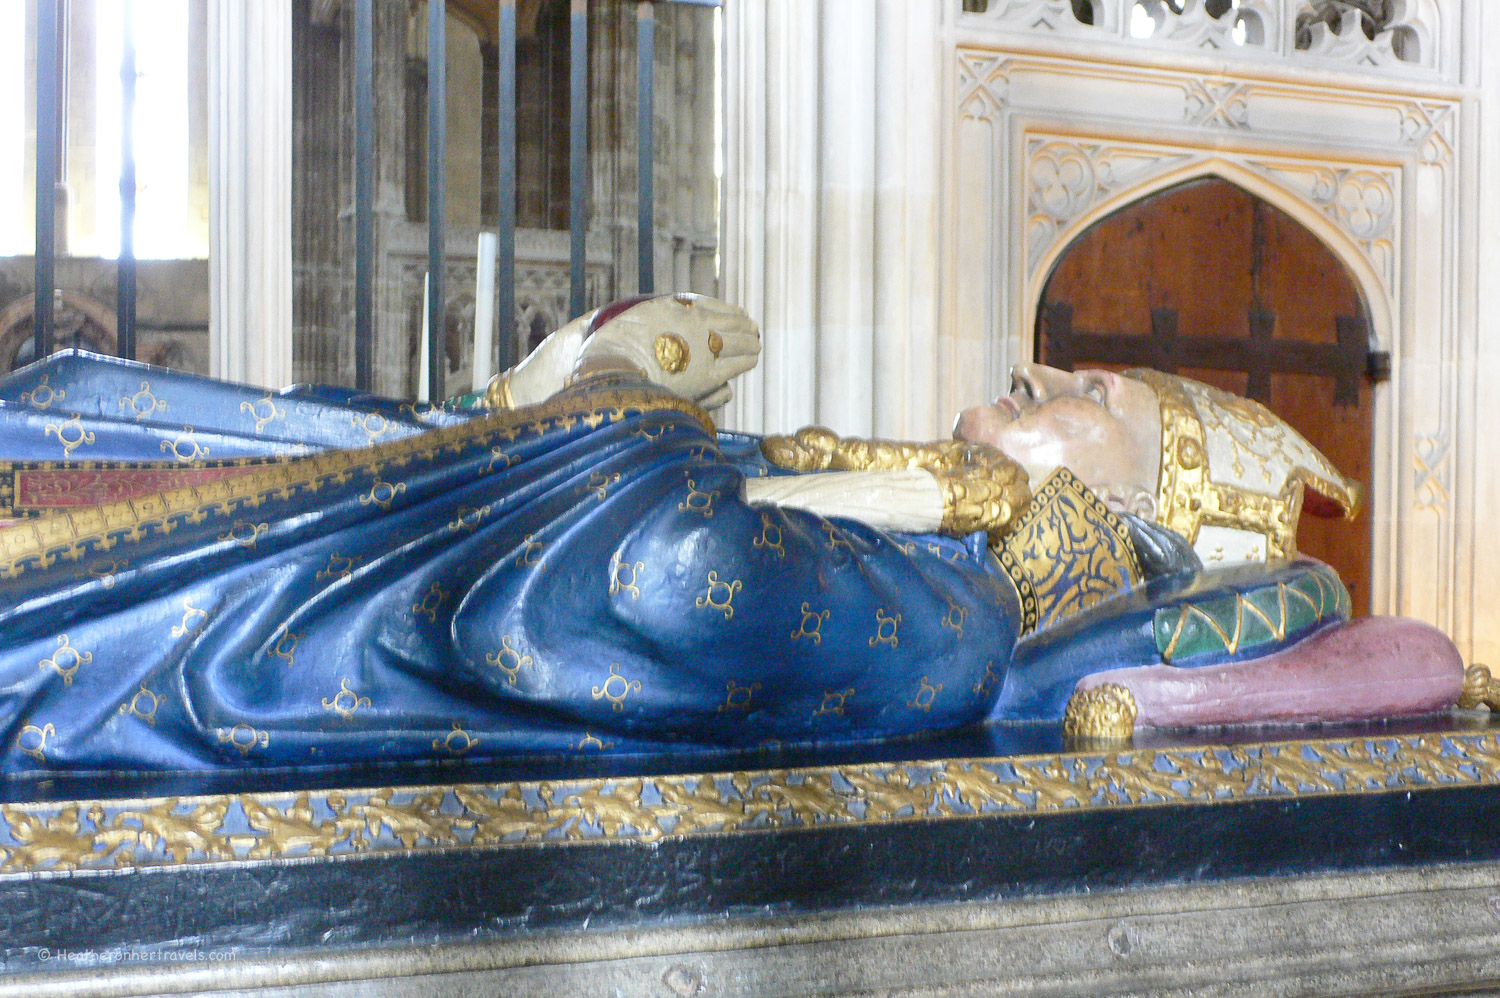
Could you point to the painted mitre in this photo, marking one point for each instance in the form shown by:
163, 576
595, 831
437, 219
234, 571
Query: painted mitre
1234, 474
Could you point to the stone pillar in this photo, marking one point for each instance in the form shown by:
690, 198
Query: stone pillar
250, 190
1479, 404
831, 212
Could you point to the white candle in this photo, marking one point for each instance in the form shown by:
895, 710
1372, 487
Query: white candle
484, 311
422, 351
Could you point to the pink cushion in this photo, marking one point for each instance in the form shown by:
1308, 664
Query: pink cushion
1371, 667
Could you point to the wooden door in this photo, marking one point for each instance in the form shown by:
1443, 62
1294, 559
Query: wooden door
1209, 281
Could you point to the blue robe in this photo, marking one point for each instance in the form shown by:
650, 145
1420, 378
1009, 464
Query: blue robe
341, 579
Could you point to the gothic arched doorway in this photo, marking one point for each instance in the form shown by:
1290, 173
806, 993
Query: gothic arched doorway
1209, 281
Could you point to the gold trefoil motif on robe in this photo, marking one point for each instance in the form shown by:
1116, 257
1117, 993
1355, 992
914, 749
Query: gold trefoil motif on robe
143, 403
623, 576
698, 500
184, 447
616, 688
885, 629
508, 660
66, 660
263, 410
345, 702
143, 704
811, 625
720, 595
245, 737
70, 433
456, 742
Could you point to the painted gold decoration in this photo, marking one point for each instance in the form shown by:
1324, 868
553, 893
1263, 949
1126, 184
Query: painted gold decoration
193, 620
883, 635
497, 396
770, 538
66, 660
244, 533
33, 740
456, 742
106, 572
1480, 689
739, 697
345, 702
1224, 623
811, 624
1105, 713
43, 395
104, 834
469, 518
590, 741
339, 567
954, 619
720, 595
834, 702
1266, 465
382, 493
672, 353
285, 647
836, 538
530, 551
599, 483
616, 694
244, 737
926, 694
184, 447
143, 403
698, 501
1067, 552
624, 575
34, 544
715, 344
263, 410
143, 704
508, 660
373, 424
982, 488
70, 433
990, 680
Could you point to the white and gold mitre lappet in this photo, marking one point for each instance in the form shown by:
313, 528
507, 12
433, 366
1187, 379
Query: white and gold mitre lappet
1234, 474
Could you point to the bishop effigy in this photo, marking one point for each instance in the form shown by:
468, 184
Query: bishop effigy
196, 575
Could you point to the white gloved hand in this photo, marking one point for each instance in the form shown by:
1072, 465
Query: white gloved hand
689, 344
545, 370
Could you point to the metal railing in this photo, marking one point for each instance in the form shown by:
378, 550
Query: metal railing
49, 63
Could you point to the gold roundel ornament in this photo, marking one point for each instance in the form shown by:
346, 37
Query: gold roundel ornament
715, 344
672, 353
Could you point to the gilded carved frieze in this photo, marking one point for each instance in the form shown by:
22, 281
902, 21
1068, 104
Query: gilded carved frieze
103, 834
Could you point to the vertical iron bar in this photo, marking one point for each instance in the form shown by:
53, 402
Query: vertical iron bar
125, 268
645, 46
47, 137
364, 195
578, 150
437, 185
505, 222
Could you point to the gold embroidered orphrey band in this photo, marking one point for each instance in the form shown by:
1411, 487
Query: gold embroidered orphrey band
53, 837
36, 544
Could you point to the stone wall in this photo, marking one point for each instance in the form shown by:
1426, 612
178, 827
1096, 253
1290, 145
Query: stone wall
686, 188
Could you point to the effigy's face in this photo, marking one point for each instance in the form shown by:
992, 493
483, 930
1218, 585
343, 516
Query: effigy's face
1104, 428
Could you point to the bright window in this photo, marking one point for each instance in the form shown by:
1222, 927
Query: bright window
16, 233
162, 229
